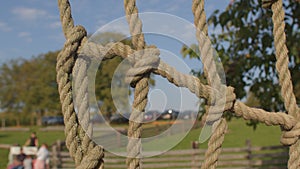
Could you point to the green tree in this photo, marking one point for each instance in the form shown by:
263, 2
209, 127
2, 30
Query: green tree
245, 46
105, 73
28, 87
247, 50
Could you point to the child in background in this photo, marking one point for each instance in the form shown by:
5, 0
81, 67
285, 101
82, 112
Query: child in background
42, 156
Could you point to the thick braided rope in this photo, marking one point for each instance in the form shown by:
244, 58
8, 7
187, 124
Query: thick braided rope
206, 53
214, 145
81, 101
192, 83
283, 60
213, 79
269, 118
141, 90
65, 62
284, 76
195, 86
85, 153
135, 24
248, 113
199, 17
63, 68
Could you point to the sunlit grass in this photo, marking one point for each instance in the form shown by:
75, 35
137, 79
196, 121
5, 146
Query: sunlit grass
238, 133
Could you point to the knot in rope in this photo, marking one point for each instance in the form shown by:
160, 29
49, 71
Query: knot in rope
221, 97
230, 98
267, 3
290, 137
145, 61
220, 102
69, 52
76, 34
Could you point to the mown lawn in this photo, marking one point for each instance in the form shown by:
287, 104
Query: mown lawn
238, 133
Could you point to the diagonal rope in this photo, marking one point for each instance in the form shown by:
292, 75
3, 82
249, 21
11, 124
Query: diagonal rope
194, 85
72, 59
210, 71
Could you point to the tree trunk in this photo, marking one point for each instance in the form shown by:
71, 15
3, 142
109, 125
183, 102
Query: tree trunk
18, 121
39, 118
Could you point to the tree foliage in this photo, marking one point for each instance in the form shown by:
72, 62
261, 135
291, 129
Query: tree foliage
105, 74
28, 86
244, 41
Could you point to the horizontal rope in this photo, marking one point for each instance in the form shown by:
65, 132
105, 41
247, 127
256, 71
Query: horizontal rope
192, 83
219, 97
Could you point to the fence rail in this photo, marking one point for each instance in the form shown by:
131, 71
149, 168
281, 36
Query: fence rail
271, 157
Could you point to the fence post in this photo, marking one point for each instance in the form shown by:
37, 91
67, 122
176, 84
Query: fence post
195, 145
249, 153
54, 159
58, 143
59, 149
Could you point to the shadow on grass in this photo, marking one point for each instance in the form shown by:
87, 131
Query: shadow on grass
3, 135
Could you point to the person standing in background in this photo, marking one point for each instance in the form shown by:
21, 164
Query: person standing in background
33, 140
42, 156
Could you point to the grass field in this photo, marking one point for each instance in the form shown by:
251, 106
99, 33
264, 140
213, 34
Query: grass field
238, 133
21, 137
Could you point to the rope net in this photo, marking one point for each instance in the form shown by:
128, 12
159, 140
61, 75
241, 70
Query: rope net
87, 154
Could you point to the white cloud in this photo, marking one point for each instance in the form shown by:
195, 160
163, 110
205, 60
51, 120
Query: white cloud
173, 8
28, 14
26, 36
55, 25
59, 37
4, 27
189, 31
119, 25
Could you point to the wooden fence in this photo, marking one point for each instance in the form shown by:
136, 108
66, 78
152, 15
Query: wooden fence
248, 157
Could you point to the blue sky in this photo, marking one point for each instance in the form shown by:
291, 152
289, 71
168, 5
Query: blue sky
32, 27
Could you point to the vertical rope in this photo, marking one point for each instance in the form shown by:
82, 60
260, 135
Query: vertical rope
285, 76
85, 153
141, 90
199, 17
88, 155
201, 29
213, 79
283, 59
135, 24
214, 145
64, 84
